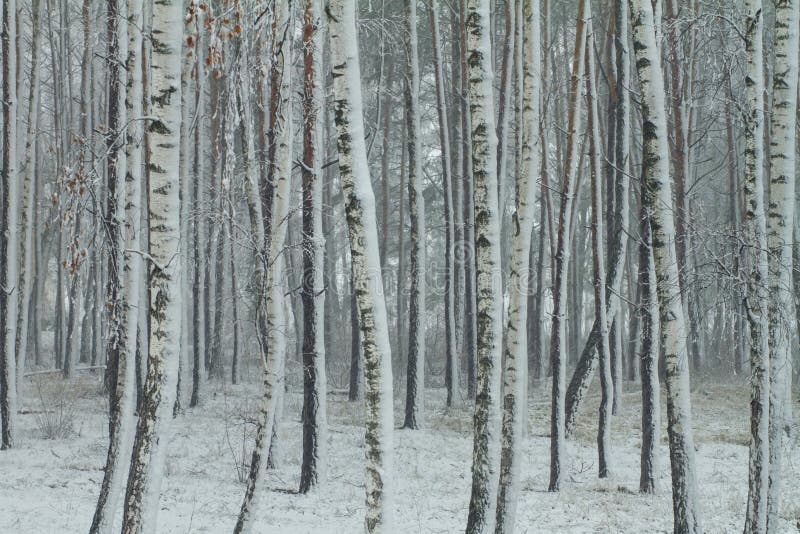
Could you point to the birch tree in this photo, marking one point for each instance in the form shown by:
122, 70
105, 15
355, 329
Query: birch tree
673, 329
417, 319
757, 300
487, 421
780, 225
363, 231
275, 213
152, 431
515, 376
122, 421
599, 268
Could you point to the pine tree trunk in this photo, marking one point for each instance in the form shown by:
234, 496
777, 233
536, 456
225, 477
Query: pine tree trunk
515, 376
313, 469
562, 258
649, 356
360, 213
489, 313
673, 328
417, 312
8, 233
451, 359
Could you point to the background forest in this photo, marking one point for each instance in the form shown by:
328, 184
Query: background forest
401, 266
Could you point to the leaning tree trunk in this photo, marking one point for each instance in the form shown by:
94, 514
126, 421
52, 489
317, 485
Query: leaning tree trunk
673, 328
8, 225
488, 414
607, 385
275, 316
757, 299
584, 371
451, 359
122, 420
152, 431
362, 226
780, 225
417, 314
562, 255
315, 457
515, 375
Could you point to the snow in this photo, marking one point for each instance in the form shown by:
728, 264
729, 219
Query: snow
50, 486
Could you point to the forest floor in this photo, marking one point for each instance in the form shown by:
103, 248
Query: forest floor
51, 485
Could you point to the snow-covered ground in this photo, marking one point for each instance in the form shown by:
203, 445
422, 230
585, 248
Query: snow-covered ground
51, 485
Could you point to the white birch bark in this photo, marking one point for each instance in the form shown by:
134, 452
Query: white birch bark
8, 229
122, 421
757, 300
275, 315
599, 268
362, 226
515, 375
153, 429
656, 174
417, 313
780, 224
489, 309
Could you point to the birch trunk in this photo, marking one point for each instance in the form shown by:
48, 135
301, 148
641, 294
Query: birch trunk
9, 248
362, 226
122, 420
152, 431
607, 392
673, 329
780, 224
315, 438
489, 310
757, 300
417, 313
515, 376
562, 255
275, 315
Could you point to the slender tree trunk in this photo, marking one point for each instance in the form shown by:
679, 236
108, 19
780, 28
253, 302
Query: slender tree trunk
122, 421
355, 391
757, 300
451, 360
515, 376
315, 422
8, 233
360, 212
673, 328
780, 225
650, 350
275, 325
599, 270
152, 431
488, 412
563, 247
417, 312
